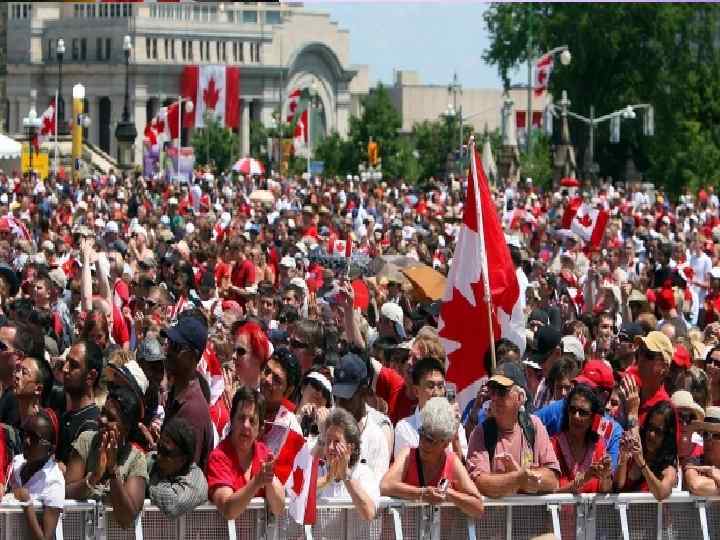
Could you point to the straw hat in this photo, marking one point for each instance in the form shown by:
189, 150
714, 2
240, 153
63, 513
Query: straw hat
711, 421
682, 399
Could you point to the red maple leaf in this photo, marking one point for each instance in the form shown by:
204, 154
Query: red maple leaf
298, 480
585, 220
48, 125
467, 325
211, 95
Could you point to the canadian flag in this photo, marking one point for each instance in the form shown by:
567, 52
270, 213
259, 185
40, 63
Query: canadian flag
589, 224
210, 368
47, 126
464, 325
293, 102
570, 211
300, 136
214, 90
301, 487
285, 439
341, 248
543, 69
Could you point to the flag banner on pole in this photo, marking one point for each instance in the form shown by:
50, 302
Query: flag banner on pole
301, 487
543, 70
215, 91
464, 324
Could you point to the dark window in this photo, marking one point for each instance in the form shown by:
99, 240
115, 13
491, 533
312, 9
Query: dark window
273, 17
250, 17
83, 49
108, 48
75, 48
98, 49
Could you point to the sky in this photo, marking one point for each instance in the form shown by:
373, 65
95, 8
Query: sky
434, 38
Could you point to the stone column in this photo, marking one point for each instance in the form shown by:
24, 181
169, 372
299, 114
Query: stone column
245, 128
139, 116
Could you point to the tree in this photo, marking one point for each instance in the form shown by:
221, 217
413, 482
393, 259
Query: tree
381, 121
216, 144
663, 54
538, 164
336, 153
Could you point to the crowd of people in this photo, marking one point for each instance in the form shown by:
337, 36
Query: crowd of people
184, 343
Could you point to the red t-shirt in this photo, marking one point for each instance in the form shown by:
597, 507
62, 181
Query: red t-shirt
120, 332
657, 397
223, 469
243, 275
391, 387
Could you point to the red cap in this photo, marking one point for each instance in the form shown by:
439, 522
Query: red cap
666, 299
597, 373
681, 357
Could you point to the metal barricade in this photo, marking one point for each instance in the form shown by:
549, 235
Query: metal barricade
585, 517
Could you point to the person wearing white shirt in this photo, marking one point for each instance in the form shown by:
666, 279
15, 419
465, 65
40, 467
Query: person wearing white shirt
36, 476
350, 388
343, 474
701, 265
428, 382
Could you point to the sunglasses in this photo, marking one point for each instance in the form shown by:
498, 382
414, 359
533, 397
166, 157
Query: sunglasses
499, 390
427, 437
685, 418
709, 436
577, 411
240, 351
296, 344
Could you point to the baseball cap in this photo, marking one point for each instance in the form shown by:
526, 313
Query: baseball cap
546, 340
658, 342
509, 374
539, 315
597, 373
350, 374
394, 313
188, 331
150, 350
112, 227
629, 331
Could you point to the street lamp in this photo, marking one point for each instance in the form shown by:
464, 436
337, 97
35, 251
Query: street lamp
313, 103
125, 132
565, 59
62, 127
31, 123
454, 109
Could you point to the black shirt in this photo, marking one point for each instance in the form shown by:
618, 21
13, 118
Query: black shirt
72, 424
9, 410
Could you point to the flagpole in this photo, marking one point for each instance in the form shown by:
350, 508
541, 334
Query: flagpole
481, 232
55, 159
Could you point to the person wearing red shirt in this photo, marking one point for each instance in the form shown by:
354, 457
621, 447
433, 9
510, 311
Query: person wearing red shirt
643, 384
242, 467
243, 271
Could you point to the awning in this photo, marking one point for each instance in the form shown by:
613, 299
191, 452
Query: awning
9, 148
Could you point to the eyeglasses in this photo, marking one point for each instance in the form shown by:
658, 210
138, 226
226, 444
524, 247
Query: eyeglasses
710, 436
685, 418
583, 413
425, 436
296, 344
240, 351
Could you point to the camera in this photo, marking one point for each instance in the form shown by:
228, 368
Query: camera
309, 426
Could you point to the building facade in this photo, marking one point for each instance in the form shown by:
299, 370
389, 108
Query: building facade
278, 47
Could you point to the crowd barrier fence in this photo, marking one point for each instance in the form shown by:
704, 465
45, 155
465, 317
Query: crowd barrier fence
631, 516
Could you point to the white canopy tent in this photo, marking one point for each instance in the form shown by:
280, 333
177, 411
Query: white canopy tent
9, 148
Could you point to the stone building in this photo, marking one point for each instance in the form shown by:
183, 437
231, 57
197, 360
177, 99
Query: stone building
278, 47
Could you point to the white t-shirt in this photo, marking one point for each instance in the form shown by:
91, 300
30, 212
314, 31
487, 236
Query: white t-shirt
373, 444
365, 476
407, 434
46, 486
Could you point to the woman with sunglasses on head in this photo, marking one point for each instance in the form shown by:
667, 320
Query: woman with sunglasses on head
430, 472
585, 465
702, 473
36, 476
648, 460
177, 485
105, 465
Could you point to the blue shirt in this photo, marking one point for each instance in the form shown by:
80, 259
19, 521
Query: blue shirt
552, 416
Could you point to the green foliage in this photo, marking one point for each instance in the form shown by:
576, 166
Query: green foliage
538, 165
216, 143
337, 155
258, 140
667, 55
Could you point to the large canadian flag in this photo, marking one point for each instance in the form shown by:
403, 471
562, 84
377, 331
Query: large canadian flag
464, 322
300, 136
543, 69
301, 487
293, 103
214, 89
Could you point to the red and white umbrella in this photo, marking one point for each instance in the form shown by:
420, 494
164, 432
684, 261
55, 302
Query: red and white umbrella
249, 166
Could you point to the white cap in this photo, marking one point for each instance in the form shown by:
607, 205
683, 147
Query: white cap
100, 223
287, 262
165, 220
189, 228
393, 312
112, 227
172, 201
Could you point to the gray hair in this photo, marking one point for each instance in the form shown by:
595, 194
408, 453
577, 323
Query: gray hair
438, 418
339, 417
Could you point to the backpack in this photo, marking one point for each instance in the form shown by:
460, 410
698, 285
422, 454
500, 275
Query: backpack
490, 432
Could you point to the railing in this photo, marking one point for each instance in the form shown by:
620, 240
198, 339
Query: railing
632, 516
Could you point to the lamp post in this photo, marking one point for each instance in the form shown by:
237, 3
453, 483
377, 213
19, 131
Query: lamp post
125, 132
565, 59
313, 99
31, 123
615, 118
62, 127
454, 109
80, 121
